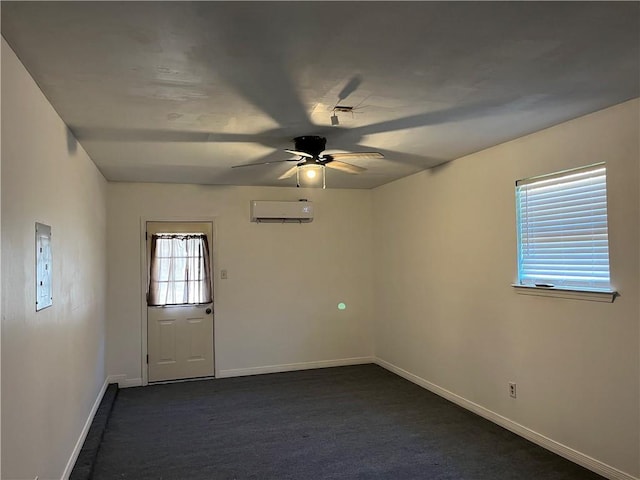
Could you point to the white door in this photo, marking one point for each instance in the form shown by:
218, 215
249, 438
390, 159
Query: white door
179, 337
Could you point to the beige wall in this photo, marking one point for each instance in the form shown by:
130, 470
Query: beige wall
446, 312
279, 305
52, 361
1, 316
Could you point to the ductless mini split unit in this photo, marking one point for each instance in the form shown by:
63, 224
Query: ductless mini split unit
281, 212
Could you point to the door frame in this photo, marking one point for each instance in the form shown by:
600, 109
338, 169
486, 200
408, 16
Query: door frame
213, 251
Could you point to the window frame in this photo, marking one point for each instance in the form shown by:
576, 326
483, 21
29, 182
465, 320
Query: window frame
558, 291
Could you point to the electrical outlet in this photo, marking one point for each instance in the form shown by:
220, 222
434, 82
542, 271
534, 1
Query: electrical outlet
223, 274
512, 389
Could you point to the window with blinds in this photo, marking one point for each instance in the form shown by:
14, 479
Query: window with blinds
562, 230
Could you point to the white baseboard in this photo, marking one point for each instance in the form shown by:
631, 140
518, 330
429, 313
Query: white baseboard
85, 430
569, 453
288, 367
123, 381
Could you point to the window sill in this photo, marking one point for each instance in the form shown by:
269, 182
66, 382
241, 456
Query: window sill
591, 295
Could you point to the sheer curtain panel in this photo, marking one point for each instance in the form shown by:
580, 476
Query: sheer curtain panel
179, 270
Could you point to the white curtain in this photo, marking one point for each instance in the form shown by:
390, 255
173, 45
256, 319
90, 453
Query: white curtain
179, 270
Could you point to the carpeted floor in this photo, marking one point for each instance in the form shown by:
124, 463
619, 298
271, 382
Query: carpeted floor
358, 422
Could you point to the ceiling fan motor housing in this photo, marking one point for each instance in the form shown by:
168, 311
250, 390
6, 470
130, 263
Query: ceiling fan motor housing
310, 144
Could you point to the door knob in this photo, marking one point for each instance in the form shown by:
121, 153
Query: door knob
208, 310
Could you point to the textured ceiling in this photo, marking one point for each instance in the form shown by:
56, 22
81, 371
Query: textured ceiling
181, 91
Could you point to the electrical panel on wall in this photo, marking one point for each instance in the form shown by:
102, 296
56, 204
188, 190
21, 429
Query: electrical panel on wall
44, 296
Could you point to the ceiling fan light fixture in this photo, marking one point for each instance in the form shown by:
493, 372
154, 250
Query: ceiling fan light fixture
334, 120
311, 176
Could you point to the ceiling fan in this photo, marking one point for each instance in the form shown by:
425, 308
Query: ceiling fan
311, 159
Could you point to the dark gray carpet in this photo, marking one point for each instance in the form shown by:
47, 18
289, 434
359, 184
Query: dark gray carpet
83, 468
358, 422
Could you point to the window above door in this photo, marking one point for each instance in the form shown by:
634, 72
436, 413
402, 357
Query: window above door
180, 272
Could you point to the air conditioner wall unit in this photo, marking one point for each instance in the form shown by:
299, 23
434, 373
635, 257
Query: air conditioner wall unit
281, 212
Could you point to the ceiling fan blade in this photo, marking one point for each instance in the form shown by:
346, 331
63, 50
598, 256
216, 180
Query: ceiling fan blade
345, 167
350, 156
263, 163
289, 173
300, 154
421, 161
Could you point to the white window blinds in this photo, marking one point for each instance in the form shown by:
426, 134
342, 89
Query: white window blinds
562, 230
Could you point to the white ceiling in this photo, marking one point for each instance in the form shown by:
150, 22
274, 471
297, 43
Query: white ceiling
181, 91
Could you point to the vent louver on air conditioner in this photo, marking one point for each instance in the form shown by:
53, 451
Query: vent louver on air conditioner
281, 212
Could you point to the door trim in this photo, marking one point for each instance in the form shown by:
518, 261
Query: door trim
144, 371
